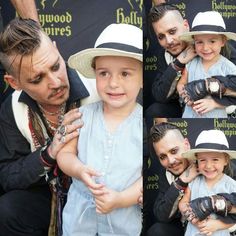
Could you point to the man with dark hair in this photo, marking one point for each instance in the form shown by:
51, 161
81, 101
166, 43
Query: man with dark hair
168, 24
32, 128
169, 144
25, 9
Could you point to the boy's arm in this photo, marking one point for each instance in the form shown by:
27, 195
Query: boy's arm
130, 196
70, 164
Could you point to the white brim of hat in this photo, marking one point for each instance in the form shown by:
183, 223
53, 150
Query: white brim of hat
82, 61
191, 154
189, 36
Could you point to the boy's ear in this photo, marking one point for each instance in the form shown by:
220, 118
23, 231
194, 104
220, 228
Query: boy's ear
12, 81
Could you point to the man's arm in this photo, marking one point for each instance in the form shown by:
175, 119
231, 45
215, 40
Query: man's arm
167, 197
26, 9
19, 167
164, 86
166, 204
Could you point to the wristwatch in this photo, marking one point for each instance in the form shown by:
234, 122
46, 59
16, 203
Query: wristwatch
213, 87
220, 205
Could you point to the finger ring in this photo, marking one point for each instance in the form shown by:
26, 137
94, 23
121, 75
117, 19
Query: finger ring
63, 139
62, 130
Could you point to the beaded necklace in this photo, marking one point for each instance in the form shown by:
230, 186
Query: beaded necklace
43, 110
53, 125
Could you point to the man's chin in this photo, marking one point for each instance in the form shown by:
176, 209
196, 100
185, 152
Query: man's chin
176, 172
175, 52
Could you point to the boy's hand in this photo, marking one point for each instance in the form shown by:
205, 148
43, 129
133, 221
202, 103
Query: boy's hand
107, 202
205, 105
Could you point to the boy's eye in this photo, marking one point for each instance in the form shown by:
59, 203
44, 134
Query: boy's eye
201, 160
125, 74
197, 42
103, 73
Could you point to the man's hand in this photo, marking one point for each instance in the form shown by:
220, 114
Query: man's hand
66, 132
189, 174
187, 54
194, 91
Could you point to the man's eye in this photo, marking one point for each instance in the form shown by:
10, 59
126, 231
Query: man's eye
174, 151
56, 67
172, 31
160, 37
162, 157
36, 81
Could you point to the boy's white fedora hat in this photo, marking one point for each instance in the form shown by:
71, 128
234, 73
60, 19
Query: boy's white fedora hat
209, 22
115, 40
210, 141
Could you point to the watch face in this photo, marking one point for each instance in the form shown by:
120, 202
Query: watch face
214, 87
220, 204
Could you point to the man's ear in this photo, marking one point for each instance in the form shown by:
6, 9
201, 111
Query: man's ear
54, 44
12, 81
187, 144
186, 24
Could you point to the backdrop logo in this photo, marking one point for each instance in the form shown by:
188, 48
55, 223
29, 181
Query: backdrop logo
44, 2
55, 23
139, 2
131, 16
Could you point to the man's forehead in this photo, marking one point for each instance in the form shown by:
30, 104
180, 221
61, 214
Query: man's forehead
167, 22
171, 139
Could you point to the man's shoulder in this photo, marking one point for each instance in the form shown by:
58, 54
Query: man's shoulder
6, 106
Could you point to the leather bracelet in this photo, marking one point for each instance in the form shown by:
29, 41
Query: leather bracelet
46, 158
179, 65
180, 185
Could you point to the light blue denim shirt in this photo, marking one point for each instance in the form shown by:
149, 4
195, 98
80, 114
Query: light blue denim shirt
196, 71
118, 157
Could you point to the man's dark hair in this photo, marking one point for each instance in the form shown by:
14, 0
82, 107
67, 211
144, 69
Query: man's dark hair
158, 131
21, 37
157, 12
